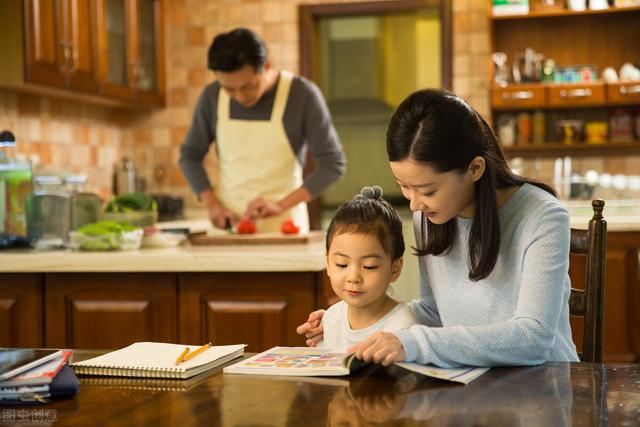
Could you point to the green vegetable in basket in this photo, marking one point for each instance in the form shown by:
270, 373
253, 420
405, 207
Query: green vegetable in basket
132, 202
105, 227
107, 242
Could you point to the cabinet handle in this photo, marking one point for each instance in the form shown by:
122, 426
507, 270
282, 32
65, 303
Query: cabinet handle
575, 93
64, 68
135, 74
74, 57
518, 95
631, 90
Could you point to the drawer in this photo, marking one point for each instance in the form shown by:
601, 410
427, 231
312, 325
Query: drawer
518, 96
623, 93
571, 95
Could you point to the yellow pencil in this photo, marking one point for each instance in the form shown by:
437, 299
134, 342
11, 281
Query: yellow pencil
182, 355
194, 353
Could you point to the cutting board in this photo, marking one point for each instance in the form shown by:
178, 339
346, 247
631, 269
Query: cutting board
258, 239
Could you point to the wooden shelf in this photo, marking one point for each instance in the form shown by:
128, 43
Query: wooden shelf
580, 149
565, 12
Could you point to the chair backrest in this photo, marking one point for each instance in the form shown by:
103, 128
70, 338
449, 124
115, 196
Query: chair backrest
589, 302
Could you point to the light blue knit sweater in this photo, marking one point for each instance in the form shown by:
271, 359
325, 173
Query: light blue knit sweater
519, 314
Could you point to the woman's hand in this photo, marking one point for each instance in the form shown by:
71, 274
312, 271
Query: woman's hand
312, 328
382, 347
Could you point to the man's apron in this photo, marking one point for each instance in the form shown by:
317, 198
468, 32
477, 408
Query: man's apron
256, 160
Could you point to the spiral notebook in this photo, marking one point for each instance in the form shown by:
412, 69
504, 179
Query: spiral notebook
157, 360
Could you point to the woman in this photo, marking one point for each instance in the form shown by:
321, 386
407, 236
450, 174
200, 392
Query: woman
493, 247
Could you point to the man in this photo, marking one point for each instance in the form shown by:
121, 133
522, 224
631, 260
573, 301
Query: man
262, 122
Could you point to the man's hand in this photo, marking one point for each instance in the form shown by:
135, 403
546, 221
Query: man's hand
221, 217
312, 328
262, 208
382, 347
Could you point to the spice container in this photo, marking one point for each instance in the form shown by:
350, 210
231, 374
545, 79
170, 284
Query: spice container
570, 131
596, 132
507, 130
524, 128
621, 126
539, 127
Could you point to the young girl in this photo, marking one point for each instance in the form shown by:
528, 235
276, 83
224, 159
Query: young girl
493, 247
364, 256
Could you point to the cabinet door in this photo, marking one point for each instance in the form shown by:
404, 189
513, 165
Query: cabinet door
147, 56
20, 310
47, 54
79, 19
131, 49
101, 310
114, 48
258, 309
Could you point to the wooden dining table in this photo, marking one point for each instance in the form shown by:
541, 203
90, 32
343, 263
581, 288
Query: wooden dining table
553, 394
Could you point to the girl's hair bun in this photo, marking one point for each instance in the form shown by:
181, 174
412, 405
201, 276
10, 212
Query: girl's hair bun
374, 192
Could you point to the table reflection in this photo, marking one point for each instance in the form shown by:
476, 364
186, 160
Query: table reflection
505, 397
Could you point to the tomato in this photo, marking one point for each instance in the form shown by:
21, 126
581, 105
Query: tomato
246, 226
289, 227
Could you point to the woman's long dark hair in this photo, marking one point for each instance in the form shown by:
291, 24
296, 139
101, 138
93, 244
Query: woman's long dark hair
436, 127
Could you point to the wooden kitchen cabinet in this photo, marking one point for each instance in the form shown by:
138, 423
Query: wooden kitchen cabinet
102, 51
21, 310
622, 295
131, 50
258, 309
60, 44
109, 310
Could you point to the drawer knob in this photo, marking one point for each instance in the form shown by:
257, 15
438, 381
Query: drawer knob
631, 90
518, 95
575, 93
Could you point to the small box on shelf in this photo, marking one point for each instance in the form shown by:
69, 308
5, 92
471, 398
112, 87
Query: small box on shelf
510, 7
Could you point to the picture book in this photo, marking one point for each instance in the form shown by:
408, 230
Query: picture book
42, 374
158, 360
317, 361
16, 361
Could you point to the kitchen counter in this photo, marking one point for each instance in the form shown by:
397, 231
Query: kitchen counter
621, 215
227, 258
192, 293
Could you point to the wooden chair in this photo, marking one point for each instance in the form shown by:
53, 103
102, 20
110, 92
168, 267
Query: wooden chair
589, 302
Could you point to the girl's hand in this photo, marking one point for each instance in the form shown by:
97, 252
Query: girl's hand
312, 328
382, 347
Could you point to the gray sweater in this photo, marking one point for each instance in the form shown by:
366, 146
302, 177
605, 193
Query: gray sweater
519, 314
307, 123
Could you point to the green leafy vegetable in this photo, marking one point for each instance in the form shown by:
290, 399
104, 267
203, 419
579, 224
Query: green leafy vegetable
130, 202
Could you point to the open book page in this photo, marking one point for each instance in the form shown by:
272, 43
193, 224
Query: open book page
319, 361
297, 361
462, 375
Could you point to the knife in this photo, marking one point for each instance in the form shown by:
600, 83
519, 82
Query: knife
228, 226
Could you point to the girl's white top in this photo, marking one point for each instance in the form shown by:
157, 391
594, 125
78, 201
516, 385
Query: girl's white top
339, 335
519, 314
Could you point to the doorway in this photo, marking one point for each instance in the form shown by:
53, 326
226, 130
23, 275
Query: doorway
366, 57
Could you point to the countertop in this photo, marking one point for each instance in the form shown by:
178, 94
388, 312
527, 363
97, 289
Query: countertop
227, 258
621, 215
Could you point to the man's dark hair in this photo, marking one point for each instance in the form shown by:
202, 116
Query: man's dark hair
233, 50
